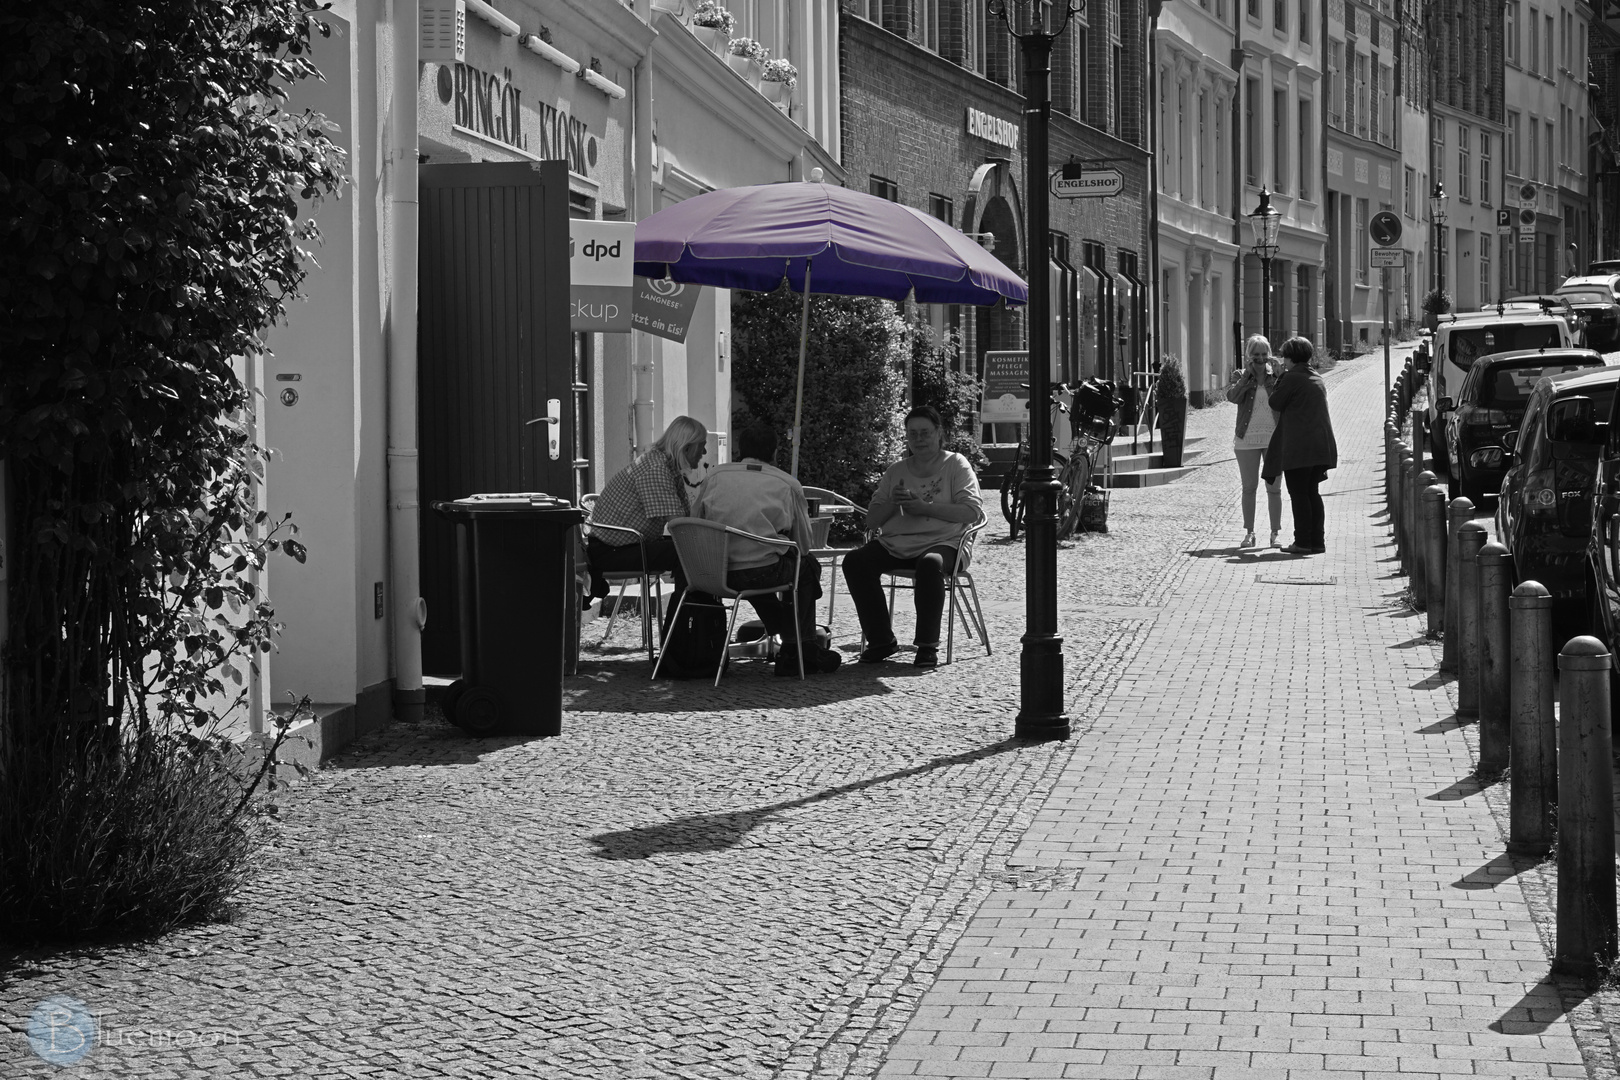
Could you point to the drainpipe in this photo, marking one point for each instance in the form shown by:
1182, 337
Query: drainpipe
1153, 179
642, 344
1238, 135
408, 608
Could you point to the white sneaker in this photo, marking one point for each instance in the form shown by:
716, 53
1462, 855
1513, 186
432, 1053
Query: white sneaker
1248, 539
1274, 533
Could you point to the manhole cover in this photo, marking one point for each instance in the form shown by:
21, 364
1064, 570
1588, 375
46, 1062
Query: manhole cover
1295, 579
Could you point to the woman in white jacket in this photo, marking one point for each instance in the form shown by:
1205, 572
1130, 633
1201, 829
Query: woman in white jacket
1255, 423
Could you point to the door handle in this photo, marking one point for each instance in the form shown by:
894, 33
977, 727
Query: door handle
553, 422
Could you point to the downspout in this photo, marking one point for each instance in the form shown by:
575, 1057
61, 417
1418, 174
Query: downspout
1238, 134
642, 344
409, 610
1154, 8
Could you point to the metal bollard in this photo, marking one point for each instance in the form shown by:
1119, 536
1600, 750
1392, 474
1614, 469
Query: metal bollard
1458, 512
1420, 551
1495, 582
1586, 902
1419, 435
1403, 499
1470, 538
1391, 433
1432, 533
1534, 789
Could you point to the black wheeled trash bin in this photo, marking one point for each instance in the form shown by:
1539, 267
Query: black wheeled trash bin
514, 557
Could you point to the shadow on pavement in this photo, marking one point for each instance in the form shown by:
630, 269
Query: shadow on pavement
1450, 723
1434, 681
1498, 871
1412, 643
1542, 1006
752, 684
1472, 784
724, 829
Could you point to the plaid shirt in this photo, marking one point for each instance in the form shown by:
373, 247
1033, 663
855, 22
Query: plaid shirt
652, 487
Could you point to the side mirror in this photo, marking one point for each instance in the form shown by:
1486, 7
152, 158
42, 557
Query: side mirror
1510, 443
1444, 405
1570, 421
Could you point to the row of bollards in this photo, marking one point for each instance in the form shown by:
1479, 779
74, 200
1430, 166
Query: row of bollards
1498, 640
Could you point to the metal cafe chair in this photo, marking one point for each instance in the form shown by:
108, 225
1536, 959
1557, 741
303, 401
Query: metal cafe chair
959, 579
652, 595
703, 546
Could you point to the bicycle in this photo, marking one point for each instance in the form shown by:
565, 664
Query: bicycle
1096, 400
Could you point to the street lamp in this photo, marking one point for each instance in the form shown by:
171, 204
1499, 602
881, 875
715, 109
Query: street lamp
1266, 221
1036, 24
1437, 212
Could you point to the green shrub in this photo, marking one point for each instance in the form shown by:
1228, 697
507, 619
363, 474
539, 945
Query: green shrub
853, 386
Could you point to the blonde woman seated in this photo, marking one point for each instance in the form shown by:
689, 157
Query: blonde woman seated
1255, 422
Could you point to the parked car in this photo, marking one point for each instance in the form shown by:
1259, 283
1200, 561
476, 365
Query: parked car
1463, 338
1490, 405
1604, 266
1596, 300
1544, 515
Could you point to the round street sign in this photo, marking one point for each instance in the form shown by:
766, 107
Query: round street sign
1384, 228
1527, 194
1527, 217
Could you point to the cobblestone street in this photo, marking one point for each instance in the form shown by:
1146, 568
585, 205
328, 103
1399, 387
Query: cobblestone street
776, 878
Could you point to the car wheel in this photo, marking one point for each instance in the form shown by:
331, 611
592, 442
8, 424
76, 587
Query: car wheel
1594, 627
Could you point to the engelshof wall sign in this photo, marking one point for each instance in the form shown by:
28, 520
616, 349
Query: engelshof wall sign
981, 125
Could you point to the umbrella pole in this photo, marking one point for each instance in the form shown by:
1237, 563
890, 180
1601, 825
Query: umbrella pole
804, 340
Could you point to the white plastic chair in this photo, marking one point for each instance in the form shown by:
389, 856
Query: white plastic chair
704, 547
960, 578
652, 595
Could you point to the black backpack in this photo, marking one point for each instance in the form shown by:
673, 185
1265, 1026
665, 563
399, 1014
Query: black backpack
697, 639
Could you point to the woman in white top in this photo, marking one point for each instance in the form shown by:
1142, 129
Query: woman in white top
1255, 423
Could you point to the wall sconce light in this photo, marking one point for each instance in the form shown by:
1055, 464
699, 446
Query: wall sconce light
986, 240
593, 75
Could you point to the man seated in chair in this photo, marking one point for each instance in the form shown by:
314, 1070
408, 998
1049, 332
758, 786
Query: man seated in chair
753, 495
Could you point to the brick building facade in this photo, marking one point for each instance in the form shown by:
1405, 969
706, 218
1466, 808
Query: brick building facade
932, 117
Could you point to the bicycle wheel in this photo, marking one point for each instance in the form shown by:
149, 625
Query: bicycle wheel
1072, 499
1012, 494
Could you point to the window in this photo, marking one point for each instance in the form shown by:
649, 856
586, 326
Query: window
1485, 168
1363, 244
928, 24
1437, 148
1118, 129
942, 208
1532, 55
1305, 155
1254, 10
1363, 66
1082, 69
1510, 33
1183, 151
1511, 150
1335, 84
1251, 122
1203, 148
883, 188
1484, 242
1534, 156
1279, 148
1164, 129
1552, 175
1383, 117
1464, 169
1563, 39
1547, 43
1305, 21
1409, 206
1279, 16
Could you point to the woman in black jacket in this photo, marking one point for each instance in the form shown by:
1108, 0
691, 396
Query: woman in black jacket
1302, 448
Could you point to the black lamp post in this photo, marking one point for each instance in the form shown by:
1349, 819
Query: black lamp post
1437, 212
1266, 220
1036, 24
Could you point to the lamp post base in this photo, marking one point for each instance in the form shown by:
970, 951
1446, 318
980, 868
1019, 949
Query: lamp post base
1040, 670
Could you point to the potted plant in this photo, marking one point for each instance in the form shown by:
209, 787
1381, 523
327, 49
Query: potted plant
746, 56
713, 24
1170, 396
777, 80
1436, 302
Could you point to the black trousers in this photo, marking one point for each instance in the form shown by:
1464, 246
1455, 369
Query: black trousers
776, 610
1310, 516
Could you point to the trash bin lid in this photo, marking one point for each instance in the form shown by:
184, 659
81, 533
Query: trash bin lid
507, 502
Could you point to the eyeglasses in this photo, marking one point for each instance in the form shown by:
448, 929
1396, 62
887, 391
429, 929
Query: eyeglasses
919, 433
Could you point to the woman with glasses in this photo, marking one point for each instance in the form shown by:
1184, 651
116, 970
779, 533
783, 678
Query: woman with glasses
924, 504
1255, 422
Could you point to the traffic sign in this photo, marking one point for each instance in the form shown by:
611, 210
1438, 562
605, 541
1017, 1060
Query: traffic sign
1527, 218
1088, 185
1504, 222
1388, 256
1385, 229
1527, 194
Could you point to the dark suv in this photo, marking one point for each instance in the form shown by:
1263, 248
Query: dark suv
1545, 513
1490, 405
1596, 300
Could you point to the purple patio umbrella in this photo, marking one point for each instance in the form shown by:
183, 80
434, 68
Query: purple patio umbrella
820, 238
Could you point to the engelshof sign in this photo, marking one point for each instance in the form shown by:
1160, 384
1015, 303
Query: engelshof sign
981, 125
1092, 183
